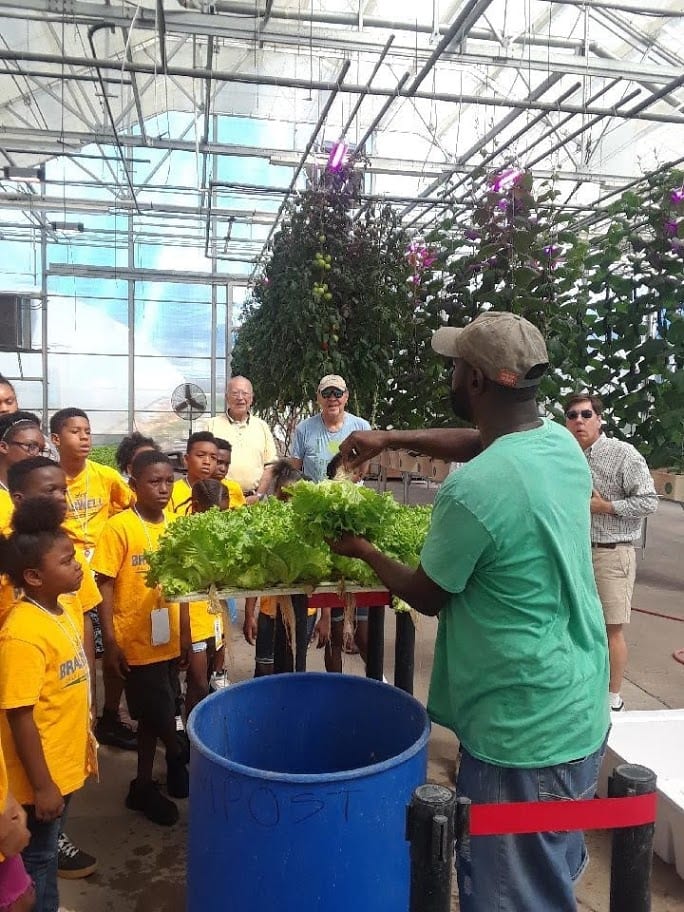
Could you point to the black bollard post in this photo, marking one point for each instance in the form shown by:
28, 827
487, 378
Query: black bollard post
404, 648
430, 830
632, 856
376, 642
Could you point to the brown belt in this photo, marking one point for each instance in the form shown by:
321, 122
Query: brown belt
611, 545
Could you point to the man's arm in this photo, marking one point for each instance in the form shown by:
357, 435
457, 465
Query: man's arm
449, 444
413, 586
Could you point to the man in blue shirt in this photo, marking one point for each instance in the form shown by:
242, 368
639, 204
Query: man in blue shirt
317, 439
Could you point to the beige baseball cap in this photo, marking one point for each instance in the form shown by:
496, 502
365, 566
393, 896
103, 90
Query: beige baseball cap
504, 346
333, 380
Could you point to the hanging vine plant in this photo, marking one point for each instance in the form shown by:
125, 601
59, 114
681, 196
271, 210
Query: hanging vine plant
332, 298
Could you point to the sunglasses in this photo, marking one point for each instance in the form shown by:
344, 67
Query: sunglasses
332, 391
582, 413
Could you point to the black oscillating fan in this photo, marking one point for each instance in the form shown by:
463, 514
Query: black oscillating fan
189, 401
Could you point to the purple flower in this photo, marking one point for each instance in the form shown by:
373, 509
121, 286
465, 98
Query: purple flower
472, 235
502, 204
507, 179
670, 227
551, 250
677, 196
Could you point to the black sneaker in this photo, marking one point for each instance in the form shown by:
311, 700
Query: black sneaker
147, 798
109, 729
72, 862
619, 707
177, 779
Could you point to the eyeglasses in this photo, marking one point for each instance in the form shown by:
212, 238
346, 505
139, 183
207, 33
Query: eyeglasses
332, 391
32, 449
581, 413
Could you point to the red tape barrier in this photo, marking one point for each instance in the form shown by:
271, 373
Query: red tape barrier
363, 599
543, 816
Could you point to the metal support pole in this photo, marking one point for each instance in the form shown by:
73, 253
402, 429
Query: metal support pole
430, 830
375, 658
404, 648
632, 856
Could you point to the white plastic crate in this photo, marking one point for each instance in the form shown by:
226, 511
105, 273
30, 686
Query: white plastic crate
654, 739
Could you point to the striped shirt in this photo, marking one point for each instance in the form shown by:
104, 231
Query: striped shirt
620, 475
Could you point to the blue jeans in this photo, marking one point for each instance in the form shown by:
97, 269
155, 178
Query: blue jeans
40, 857
525, 872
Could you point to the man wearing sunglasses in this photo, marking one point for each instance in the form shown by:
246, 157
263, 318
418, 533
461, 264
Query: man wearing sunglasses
622, 494
521, 662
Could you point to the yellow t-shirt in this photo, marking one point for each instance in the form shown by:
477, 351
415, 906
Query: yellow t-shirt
268, 605
42, 664
180, 503
119, 554
93, 495
6, 511
204, 625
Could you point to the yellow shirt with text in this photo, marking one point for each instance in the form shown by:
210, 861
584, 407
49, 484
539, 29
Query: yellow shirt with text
42, 664
94, 495
120, 555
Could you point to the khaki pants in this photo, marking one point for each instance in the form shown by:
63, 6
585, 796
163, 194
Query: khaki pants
615, 571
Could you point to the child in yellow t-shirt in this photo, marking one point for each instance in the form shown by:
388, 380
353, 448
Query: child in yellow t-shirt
94, 493
206, 627
267, 631
44, 685
20, 438
141, 633
201, 455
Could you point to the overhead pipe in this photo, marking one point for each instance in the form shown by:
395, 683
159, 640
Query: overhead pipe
325, 86
180, 26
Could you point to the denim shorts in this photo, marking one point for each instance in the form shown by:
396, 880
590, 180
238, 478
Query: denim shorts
527, 872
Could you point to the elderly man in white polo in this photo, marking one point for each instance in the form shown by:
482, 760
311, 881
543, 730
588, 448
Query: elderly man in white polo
250, 438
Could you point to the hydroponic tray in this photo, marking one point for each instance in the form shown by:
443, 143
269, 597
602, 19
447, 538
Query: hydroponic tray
331, 588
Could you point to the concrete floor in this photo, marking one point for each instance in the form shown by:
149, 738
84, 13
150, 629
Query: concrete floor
142, 867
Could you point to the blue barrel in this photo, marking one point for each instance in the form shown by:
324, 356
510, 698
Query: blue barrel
298, 792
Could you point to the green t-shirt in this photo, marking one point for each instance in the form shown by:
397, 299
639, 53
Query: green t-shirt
521, 663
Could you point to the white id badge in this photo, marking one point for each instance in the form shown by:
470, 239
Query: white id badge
218, 632
161, 628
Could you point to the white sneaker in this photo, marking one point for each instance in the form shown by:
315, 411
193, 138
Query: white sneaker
218, 680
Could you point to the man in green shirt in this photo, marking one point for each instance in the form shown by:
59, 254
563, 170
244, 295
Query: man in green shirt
521, 663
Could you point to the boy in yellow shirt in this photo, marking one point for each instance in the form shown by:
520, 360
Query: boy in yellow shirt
94, 493
44, 685
201, 456
40, 477
142, 633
